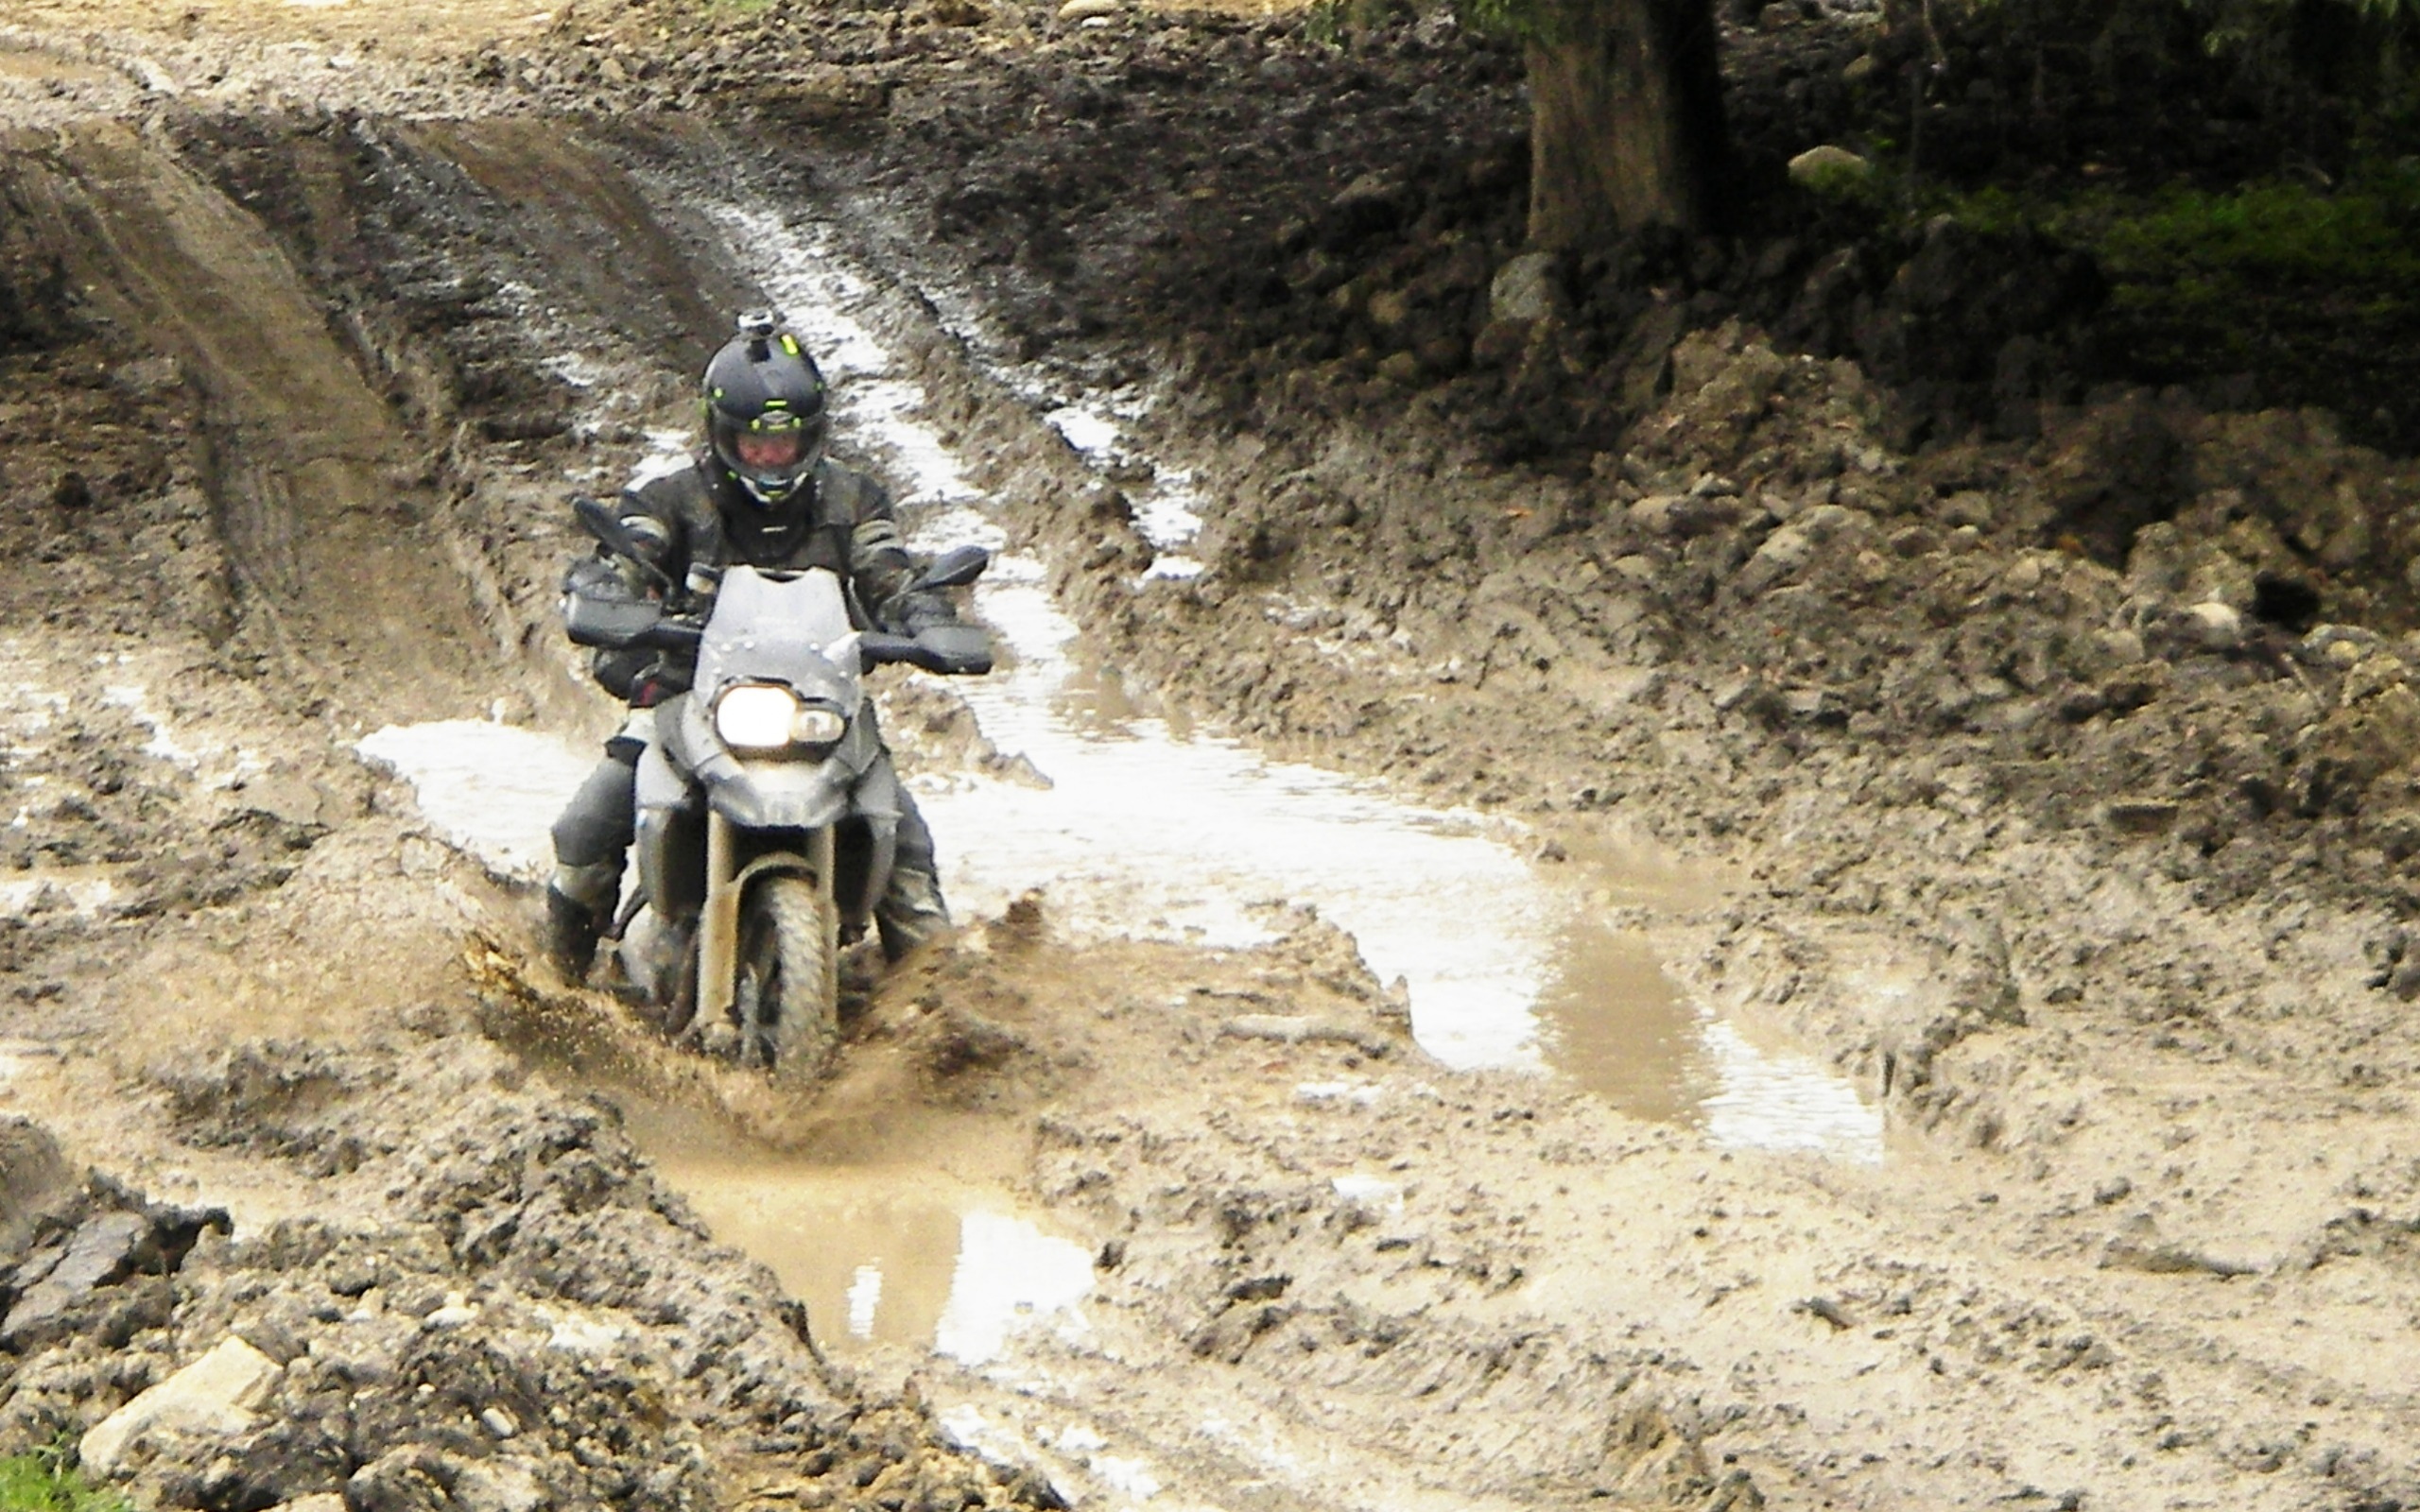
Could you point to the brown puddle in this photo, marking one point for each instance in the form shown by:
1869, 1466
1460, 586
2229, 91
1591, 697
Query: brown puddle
899, 1253
1616, 1024
894, 1256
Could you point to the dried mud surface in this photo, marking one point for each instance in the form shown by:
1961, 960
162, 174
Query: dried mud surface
2065, 761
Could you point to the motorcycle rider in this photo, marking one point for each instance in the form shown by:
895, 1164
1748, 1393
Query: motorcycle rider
760, 491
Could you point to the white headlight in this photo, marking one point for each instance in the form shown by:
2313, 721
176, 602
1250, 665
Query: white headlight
818, 726
755, 716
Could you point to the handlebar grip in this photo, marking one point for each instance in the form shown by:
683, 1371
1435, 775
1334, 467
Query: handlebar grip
953, 650
961, 649
671, 635
876, 648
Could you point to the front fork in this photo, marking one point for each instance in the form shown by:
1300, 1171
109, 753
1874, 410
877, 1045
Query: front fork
727, 882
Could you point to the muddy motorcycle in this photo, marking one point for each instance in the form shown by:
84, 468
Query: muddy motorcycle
765, 820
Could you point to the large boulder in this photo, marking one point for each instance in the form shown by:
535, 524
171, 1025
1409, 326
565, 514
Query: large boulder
213, 1397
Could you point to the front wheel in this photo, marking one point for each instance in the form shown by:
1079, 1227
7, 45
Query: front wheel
789, 984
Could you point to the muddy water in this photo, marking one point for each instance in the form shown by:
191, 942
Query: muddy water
883, 1253
1508, 964
1154, 832
1151, 830
489, 789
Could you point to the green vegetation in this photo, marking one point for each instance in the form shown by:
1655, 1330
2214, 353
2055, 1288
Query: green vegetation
2217, 247
42, 1482
2194, 252
2314, 288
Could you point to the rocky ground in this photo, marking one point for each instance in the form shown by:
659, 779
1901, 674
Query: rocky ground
2055, 729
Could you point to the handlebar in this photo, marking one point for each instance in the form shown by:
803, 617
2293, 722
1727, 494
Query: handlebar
947, 649
952, 650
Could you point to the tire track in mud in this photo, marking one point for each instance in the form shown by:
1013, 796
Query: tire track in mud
651, 283
332, 530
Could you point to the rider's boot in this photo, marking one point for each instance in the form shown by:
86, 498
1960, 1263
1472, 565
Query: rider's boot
580, 903
910, 913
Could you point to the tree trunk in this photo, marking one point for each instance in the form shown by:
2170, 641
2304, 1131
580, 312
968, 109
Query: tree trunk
1626, 125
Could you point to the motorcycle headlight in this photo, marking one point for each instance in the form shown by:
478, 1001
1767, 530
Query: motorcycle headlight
816, 725
756, 716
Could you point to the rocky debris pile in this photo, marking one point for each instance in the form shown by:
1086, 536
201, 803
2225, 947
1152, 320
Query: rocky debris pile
492, 1305
81, 1257
2154, 620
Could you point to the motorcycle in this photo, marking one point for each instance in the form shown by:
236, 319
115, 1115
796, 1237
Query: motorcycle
765, 819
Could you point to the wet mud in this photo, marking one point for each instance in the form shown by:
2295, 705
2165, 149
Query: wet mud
2054, 800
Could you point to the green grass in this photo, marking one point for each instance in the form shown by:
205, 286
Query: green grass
2199, 249
2214, 245
2312, 288
41, 1481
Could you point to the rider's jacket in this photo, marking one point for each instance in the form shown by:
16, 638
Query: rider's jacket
695, 521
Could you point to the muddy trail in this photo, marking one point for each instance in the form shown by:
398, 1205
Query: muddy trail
1874, 977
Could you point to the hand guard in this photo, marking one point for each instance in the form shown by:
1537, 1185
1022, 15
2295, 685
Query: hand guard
912, 614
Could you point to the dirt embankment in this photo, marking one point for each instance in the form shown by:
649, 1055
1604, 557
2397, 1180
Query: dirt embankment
2069, 769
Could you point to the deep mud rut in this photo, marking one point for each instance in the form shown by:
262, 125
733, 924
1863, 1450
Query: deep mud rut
289, 402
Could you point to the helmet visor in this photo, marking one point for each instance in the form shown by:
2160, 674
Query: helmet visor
772, 454
770, 451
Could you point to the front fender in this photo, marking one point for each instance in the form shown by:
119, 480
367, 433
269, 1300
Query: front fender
780, 795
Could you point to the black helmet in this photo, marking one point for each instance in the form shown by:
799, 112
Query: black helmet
766, 417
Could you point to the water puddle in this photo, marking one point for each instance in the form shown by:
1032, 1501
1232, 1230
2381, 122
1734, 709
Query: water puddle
894, 1261
492, 790
882, 1255
1148, 832
1152, 832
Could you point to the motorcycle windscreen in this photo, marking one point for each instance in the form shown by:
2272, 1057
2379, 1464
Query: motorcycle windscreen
784, 627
